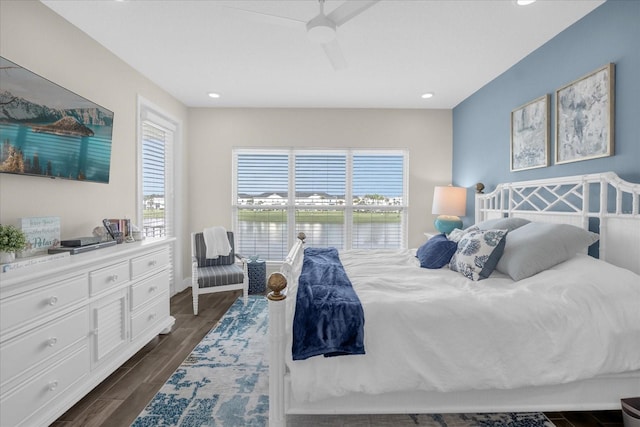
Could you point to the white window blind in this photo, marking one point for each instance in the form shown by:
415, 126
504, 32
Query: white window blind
156, 170
379, 201
262, 183
340, 198
156, 179
320, 188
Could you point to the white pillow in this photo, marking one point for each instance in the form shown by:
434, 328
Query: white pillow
502, 223
537, 246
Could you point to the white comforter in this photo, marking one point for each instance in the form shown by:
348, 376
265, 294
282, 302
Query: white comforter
436, 330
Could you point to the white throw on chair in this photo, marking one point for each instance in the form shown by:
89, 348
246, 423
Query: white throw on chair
219, 274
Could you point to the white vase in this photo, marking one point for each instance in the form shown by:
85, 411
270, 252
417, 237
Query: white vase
7, 257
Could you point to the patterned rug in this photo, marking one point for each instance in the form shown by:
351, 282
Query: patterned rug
224, 382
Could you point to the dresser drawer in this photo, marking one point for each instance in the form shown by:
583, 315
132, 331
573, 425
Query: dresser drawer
108, 277
149, 288
147, 263
147, 317
30, 305
33, 347
18, 405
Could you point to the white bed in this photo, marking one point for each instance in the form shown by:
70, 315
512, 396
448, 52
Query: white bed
545, 362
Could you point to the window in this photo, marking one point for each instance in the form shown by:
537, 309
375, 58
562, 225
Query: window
156, 179
156, 205
340, 198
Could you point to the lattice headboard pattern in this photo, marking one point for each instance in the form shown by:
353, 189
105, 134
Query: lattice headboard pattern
602, 203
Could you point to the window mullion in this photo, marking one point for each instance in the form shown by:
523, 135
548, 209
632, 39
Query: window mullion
348, 214
291, 200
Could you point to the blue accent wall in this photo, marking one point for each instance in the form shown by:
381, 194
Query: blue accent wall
481, 123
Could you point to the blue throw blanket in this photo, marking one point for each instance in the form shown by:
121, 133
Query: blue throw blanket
329, 319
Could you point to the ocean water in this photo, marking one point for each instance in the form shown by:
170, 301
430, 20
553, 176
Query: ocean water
86, 158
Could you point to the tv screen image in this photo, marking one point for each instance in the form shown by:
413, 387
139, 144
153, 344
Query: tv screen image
47, 130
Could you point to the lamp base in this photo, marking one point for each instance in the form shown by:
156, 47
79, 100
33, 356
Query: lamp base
446, 224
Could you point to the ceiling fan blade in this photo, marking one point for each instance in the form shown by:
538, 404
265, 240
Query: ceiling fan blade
268, 18
334, 53
350, 9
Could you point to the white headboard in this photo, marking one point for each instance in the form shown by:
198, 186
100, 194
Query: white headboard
602, 202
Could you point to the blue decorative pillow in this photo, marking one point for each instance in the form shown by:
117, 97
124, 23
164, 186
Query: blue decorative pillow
478, 253
436, 252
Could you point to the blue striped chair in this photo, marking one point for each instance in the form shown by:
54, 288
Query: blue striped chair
216, 275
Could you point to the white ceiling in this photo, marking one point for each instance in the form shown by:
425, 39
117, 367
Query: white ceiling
396, 50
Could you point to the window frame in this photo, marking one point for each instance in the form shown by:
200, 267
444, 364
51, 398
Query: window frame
149, 112
348, 208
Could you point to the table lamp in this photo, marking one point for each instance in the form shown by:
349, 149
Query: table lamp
449, 203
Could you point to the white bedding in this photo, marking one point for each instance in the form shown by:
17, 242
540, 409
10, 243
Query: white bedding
436, 330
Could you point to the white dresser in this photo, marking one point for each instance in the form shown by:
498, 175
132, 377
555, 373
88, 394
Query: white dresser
66, 325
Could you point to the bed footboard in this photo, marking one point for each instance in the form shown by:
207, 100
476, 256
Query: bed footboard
277, 284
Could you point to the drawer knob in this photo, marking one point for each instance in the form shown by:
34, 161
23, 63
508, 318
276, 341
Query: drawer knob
152, 316
52, 341
153, 262
153, 288
53, 300
113, 277
52, 385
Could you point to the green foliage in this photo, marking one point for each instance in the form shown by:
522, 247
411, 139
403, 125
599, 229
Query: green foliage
11, 239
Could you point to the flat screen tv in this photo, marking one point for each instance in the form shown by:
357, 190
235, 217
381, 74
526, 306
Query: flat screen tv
47, 130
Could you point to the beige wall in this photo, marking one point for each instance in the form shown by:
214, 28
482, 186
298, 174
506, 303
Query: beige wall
213, 133
36, 38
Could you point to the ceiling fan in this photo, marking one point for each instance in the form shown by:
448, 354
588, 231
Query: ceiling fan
322, 28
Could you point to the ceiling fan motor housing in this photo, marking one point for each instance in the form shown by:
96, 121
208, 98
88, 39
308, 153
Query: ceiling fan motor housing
321, 29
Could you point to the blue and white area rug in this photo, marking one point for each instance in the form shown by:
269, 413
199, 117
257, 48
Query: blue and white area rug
224, 383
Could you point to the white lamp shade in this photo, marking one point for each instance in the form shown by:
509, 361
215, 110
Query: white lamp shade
449, 201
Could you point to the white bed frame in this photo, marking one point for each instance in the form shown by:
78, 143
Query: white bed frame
558, 200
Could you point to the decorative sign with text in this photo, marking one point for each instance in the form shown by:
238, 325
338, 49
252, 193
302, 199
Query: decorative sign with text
42, 233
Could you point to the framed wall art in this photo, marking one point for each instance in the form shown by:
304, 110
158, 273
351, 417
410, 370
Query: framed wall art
49, 131
530, 135
585, 117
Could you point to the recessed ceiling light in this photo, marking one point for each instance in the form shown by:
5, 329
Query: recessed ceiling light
524, 2
427, 95
214, 95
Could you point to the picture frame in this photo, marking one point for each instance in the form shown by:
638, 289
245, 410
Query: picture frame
530, 128
49, 131
585, 117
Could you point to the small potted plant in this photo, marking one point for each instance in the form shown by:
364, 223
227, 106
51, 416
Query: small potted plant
11, 240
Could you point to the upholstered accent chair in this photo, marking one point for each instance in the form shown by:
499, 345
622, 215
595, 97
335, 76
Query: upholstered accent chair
216, 275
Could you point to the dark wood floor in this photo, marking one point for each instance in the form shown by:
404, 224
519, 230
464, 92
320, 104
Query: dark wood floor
118, 400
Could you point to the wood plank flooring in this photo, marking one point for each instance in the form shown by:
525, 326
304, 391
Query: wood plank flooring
118, 400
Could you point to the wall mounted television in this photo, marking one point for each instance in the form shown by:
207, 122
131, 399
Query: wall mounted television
47, 130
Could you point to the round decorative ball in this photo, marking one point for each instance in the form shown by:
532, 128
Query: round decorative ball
277, 282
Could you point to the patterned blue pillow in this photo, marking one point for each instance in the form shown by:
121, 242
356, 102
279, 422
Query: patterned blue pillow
457, 234
478, 253
436, 252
